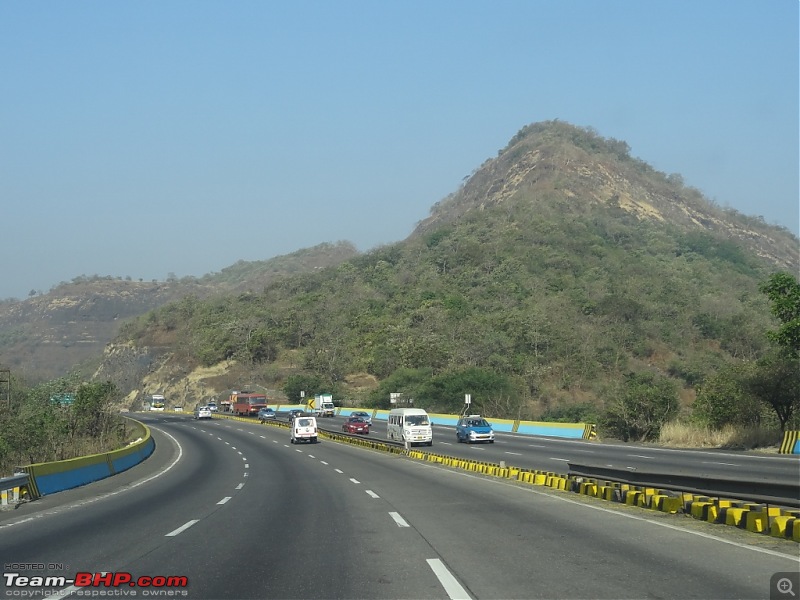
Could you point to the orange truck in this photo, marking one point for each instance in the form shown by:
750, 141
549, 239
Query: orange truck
247, 403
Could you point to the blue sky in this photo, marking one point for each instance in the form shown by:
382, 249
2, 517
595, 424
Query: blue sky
147, 138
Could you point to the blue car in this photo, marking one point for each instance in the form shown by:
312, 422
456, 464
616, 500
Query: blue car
474, 428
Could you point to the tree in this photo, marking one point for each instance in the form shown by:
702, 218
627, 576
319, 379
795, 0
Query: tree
784, 292
725, 399
309, 383
776, 382
645, 402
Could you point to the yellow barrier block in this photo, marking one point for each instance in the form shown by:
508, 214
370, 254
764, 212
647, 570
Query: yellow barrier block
758, 522
513, 472
699, 509
779, 525
795, 530
670, 504
632, 497
540, 479
736, 516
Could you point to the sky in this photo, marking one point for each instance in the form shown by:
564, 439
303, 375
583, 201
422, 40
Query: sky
146, 139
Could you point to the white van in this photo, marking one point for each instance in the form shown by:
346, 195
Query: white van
409, 424
304, 429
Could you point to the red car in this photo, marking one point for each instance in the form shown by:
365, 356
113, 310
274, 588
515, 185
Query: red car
355, 425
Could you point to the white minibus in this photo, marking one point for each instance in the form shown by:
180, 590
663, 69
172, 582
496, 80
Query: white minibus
410, 425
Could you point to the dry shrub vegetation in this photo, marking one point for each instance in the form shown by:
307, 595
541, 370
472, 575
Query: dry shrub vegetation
689, 435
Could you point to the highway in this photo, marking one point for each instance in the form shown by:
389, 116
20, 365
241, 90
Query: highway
553, 454
241, 513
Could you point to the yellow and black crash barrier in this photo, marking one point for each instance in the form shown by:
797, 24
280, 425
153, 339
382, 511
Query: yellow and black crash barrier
754, 517
790, 442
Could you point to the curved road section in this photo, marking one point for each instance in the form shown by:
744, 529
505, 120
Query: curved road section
227, 509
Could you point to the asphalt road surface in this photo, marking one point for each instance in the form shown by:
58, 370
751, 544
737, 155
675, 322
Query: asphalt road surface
239, 512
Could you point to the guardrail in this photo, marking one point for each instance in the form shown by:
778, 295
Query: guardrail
752, 490
14, 489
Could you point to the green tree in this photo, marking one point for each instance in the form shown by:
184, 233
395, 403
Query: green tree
644, 403
775, 381
784, 292
310, 383
725, 399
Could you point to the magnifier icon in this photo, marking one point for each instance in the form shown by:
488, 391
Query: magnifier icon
784, 586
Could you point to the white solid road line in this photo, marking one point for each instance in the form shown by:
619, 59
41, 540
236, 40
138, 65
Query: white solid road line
449, 583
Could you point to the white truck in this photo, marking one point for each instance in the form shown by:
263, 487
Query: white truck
321, 405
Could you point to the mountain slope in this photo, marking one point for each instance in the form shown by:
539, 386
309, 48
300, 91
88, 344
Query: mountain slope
559, 267
46, 336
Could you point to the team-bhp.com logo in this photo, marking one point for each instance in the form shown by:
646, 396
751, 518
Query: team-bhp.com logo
94, 584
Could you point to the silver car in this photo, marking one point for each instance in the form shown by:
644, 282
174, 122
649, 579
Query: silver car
362, 414
202, 412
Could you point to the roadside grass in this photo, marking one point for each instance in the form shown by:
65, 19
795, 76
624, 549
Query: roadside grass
687, 435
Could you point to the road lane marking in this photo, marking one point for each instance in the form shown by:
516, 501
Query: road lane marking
354, 480
720, 463
240, 486
246, 466
323, 462
224, 500
640, 456
401, 522
562, 459
449, 583
311, 456
373, 494
339, 471
514, 453
182, 528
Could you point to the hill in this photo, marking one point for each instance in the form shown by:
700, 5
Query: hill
46, 336
559, 267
